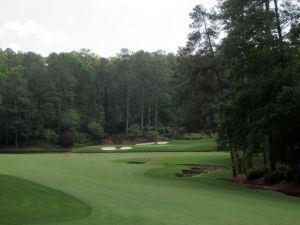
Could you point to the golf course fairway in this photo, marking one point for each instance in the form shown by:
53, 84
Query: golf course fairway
104, 189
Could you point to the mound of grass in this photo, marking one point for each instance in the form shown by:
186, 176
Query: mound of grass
26, 202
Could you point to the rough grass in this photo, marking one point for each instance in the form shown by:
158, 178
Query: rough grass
203, 145
26, 202
146, 194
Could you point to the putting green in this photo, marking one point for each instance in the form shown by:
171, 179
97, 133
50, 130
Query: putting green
205, 145
26, 202
147, 194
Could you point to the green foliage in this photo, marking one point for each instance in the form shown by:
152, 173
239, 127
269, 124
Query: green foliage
289, 175
3, 72
174, 132
161, 129
71, 120
16, 105
96, 129
66, 91
152, 134
254, 174
261, 107
135, 131
118, 138
66, 139
82, 139
50, 136
274, 177
200, 79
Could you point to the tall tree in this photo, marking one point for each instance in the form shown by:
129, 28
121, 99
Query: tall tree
15, 104
200, 78
65, 84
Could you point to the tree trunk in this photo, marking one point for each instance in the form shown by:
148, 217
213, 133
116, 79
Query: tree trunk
271, 152
212, 53
142, 109
127, 110
142, 116
17, 124
265, 157
16, 140
240, 165
149, 115
238, 161
59, 116
209, 39
233, 163
7, 140
249, 157
294, 164
105, 105
156, 112
279, 31
267, 5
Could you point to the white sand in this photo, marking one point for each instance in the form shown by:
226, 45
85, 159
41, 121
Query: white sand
162, 143
125, 148
109, 148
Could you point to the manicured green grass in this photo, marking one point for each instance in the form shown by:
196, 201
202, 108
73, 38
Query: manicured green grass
26, 202
146, 194
199, 145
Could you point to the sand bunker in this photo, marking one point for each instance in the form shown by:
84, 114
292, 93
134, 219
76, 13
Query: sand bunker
115, 149
162, 143
109, 148
195, 170
125, 148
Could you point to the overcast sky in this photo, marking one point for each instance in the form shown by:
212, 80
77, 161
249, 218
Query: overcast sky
104, 26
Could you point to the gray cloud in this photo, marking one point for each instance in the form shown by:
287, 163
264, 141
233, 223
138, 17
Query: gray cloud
33, 29
104, 26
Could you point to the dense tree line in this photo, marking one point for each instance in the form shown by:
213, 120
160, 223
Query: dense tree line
79, 97
239, 75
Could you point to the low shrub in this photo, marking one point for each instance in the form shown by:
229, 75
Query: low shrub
114, 127
194, 136
82, 139
50, 136
274, 177
66, 139
118, 138
47, 145
151, 134
162, 130
95, 129
174, 132
290, 176
135, 131
254, 174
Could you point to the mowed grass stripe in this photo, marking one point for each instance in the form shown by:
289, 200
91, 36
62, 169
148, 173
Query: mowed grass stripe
26, 202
